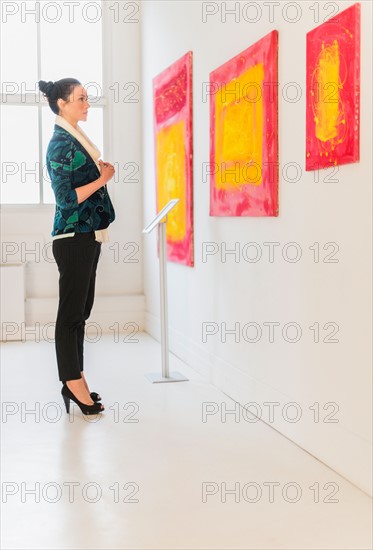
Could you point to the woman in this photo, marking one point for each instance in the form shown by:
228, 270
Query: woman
83, 213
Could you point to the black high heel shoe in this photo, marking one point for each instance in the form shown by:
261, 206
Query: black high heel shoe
95, 397
86, 409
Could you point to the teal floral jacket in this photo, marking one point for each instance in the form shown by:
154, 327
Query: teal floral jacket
69, 166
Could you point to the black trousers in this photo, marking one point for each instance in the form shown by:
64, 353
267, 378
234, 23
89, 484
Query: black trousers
77, 258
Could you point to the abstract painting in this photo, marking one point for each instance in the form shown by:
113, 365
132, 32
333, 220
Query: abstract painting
333, 91
173, 110
244, 132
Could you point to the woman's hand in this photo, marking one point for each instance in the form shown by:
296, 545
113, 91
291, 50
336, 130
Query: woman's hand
85, 191
107, 171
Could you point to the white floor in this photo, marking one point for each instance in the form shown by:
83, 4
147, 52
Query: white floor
139, 485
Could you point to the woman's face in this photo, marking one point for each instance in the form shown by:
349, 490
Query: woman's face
76, 107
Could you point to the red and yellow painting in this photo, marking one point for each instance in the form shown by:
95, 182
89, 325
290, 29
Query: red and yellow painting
173, 110
244, 132
333, 91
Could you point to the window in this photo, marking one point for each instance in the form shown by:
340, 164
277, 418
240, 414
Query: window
44, 41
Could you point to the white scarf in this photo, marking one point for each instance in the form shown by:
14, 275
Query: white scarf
101, 235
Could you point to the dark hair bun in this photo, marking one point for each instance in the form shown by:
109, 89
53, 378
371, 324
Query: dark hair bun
46, 88
61, 89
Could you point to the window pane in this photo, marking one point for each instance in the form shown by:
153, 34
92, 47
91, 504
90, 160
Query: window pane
93, 127
73, 49
18, 49
19, 155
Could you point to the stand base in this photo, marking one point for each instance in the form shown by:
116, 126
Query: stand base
174, 377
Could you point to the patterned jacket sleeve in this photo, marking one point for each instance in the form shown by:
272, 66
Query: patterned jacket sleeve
60, 167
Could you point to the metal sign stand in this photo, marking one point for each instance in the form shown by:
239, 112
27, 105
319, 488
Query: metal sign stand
160, 220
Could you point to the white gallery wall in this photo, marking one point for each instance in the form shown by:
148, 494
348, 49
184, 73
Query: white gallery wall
316, 381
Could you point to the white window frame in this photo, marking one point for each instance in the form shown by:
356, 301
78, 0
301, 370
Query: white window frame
37, 100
